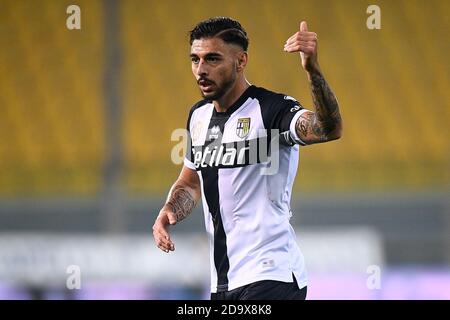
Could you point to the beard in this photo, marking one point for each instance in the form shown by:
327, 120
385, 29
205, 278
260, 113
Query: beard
220, 91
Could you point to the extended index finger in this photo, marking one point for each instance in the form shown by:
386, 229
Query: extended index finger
291, 38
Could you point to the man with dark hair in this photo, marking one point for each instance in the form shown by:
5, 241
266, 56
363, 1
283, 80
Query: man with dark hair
253, 247
226, 29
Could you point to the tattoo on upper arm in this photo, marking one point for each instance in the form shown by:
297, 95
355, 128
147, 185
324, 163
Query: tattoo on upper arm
302, 125
181, 202
308, 129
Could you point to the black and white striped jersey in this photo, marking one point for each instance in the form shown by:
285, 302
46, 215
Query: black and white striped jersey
246, 159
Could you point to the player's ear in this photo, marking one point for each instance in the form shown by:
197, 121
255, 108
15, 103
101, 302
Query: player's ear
241, 61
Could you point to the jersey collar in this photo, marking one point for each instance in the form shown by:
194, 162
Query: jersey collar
244, 96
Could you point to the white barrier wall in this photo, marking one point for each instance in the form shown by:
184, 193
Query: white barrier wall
49, 259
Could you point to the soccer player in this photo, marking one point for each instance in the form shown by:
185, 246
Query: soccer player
253, 250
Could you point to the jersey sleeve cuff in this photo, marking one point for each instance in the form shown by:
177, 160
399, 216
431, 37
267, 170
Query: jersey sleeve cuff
292, 130
189, 164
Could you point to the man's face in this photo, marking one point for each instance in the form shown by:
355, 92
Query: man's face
214, 64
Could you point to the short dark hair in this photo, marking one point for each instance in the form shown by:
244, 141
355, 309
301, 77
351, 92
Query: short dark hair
227, 29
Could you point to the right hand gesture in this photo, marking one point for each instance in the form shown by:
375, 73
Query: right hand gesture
305, 42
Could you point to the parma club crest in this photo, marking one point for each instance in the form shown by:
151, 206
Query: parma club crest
243, 127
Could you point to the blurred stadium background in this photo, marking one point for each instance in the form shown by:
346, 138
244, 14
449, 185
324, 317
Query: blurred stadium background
86, 118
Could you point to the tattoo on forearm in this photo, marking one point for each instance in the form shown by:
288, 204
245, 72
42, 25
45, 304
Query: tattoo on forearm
181, 202
318, 126
327, 117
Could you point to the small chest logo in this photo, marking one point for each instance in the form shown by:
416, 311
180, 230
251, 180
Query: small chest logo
214, 133
243, 127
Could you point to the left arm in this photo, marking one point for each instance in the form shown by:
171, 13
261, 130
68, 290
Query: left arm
325, 124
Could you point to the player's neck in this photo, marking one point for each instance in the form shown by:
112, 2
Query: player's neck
231, 96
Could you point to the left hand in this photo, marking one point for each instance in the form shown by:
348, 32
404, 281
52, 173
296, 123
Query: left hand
304, 42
